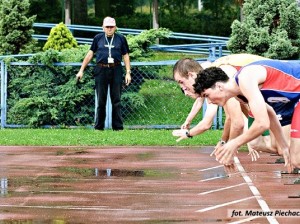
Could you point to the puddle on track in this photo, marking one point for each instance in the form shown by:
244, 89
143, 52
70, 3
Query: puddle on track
115, 185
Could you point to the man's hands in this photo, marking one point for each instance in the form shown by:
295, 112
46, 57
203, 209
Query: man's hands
79, 76
180, 133
127, 78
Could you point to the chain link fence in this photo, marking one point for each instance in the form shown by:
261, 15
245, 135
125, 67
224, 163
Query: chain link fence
49, 96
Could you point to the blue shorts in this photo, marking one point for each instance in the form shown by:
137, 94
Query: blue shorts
284, 112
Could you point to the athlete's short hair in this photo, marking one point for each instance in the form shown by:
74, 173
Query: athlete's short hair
186, 65
208, 78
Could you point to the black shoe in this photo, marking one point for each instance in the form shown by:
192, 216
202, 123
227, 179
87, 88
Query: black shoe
118, 129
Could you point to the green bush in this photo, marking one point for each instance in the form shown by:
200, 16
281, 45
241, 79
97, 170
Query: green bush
46, 94
16, 28
60, 38
139, 44
270, 29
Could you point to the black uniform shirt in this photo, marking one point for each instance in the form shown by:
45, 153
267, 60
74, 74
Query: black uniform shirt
100, 47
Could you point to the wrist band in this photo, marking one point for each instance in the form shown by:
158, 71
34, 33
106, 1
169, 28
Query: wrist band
188, 134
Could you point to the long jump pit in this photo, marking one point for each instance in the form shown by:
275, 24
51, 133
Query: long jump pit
143, 185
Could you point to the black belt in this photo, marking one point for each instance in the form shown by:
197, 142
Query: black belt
109, 65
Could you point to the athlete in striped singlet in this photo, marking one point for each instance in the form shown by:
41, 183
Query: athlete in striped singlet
230, 64
261, 82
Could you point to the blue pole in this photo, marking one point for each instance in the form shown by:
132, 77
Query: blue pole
3, 93
220, 118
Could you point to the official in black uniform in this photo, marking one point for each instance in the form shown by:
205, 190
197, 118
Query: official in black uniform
109, 48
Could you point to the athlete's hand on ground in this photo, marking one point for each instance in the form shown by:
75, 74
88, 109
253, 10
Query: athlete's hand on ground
219, 144
225, 153
229, 169
287, 160
254, 154
180, 133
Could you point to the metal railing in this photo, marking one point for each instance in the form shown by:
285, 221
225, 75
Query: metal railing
206, 42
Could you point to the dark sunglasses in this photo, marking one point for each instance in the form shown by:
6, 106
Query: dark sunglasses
109, 27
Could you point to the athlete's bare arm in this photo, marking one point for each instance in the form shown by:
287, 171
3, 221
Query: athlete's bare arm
194, 111
249, 80
202, 126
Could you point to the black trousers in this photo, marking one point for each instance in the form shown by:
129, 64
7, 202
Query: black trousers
113, 78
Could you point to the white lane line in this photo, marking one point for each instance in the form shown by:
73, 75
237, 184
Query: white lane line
245, 220
219, 177
213, 178
225, 204
264, 206
102, 192
211, 168
96, 208
221, 189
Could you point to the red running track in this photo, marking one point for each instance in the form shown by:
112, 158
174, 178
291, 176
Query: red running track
142, 185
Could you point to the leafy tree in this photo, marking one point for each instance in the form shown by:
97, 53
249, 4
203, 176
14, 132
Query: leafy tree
270, 28
60, 38
81, 12
15, 27
139, 44
214, 13
102, 8
217, 7
46, 11
177, 6
114, 8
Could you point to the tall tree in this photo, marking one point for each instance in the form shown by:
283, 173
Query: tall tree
177, 6
217, 7
155, 14
15, 27
102, 8
240, 3
270, 28
48, 11
118, 9
80, 12
68, 9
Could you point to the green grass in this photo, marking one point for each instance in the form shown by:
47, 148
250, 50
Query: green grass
164, 104
164, 56
90, 137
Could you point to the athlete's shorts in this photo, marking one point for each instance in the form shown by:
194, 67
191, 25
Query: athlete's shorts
295, 127
284, 112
